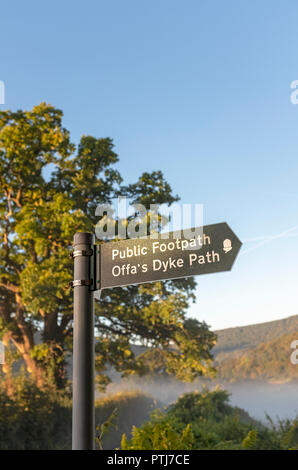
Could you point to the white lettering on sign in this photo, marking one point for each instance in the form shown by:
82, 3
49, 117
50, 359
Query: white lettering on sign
162, 247
182, 245
212, 257
164, 266
141, 260
129, 252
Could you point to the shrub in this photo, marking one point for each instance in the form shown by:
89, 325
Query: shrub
205, 420
31, 419
34, 419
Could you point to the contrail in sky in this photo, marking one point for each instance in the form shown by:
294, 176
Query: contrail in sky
268, 238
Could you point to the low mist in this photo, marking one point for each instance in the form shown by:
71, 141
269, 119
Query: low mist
257, 398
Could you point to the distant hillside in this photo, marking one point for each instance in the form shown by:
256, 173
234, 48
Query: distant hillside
269, 361
232, 341
257, 352
254, 352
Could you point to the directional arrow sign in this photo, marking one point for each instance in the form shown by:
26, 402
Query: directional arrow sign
168, 256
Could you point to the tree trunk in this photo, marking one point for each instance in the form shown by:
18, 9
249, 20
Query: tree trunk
7, 368
25, 344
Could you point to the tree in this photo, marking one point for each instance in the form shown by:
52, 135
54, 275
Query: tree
49, 189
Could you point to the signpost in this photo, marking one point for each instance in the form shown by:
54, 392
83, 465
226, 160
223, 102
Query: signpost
211, 249
83, 345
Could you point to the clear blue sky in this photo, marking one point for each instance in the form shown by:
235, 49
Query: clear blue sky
198, 89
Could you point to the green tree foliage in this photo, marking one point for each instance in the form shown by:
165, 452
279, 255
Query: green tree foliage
249, 442
206, 421
159, 435
38, 218
31, 418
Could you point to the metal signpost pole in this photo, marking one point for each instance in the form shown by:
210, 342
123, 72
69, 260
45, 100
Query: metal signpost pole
83, 420
126, 262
